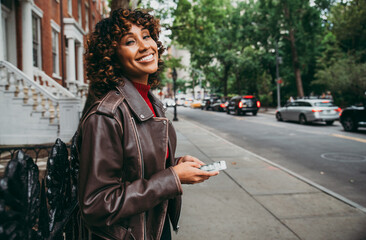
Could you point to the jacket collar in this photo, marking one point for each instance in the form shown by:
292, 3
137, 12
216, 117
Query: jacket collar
159, 107
137, 104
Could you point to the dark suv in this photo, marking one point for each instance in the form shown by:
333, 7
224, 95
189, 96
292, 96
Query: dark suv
353, 117
243, 104
207, 103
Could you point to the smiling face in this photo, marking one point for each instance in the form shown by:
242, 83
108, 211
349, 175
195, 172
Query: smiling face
138, 54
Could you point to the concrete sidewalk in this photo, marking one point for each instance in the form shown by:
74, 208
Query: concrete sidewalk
271, 111
254, 199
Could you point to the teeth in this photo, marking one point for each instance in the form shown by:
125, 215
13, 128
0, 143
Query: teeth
146, 58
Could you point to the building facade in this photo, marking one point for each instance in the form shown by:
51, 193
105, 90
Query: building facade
198, 91
31, 35
41, 60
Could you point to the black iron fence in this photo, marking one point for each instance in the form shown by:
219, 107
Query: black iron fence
34, 206
34, 151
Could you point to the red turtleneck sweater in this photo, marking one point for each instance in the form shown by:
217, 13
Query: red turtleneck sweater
144, 90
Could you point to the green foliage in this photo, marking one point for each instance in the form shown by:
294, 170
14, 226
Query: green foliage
349, 26
170, 62
346, 79
200, 26
341, 66
233, 45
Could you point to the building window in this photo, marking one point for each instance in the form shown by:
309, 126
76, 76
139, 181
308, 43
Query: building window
86, 18
4, 25
69, 7
55, 55
79, 12
36, 37
93, 21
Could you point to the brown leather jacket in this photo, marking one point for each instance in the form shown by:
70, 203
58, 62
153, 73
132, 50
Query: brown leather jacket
126, 187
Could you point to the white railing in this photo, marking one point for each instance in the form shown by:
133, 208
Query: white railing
49, 99
51, 85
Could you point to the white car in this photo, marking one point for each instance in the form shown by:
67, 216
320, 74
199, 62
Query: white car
169, 102
309, 110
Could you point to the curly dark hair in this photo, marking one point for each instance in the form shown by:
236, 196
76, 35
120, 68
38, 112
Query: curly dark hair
102, 64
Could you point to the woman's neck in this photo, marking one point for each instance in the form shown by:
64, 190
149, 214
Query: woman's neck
140, 80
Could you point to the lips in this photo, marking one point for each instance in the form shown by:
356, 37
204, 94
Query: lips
147, 58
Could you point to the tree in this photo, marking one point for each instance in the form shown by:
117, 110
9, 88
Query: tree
234, 44
199, 28
341, 67
346, 79
298, 26
115, 4
349, 26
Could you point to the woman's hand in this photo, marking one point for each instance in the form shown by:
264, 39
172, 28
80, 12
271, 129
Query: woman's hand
188, 158
189, 173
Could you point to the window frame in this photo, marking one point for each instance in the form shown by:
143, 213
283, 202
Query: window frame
86, 17
69, 7
55, 49
80, 17
37, 39
5, 12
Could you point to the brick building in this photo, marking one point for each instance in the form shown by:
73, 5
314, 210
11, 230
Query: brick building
38, 49
31, 35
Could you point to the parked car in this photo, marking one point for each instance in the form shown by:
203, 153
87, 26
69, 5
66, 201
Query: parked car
218, 105
196, 104
309, 110
208, 103
168, 102
243, 104
204, 103
180, 100
187, 102
353, 117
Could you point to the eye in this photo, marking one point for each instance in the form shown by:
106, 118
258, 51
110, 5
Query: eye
146, 37
130, 42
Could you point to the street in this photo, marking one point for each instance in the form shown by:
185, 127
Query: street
326, 155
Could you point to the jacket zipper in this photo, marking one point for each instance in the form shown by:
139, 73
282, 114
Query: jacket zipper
142, 165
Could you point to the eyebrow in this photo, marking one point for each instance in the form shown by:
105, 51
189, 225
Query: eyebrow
130, 33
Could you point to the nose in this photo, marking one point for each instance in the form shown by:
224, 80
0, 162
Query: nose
143, 45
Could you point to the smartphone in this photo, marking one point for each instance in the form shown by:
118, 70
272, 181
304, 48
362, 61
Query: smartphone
216, 166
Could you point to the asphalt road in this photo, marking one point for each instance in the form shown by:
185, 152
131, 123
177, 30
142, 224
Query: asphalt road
326, 155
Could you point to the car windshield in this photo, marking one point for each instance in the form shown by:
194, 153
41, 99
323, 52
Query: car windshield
324, 104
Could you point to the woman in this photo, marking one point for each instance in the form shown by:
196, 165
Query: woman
129, 180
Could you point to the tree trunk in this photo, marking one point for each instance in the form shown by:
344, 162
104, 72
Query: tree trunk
295, 63
226, 76
238, 87
295, 57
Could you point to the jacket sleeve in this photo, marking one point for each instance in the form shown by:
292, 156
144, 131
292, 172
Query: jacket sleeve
104, 196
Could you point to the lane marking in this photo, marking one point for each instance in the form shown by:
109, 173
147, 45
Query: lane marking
349, 138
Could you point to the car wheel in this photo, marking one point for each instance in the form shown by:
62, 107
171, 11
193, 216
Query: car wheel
349, 125
237, 112
228, 111
279, 117
329, 123
254, 113
302, 119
